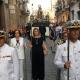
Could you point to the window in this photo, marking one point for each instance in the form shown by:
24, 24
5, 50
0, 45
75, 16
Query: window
72, 12
79, 5
78, 15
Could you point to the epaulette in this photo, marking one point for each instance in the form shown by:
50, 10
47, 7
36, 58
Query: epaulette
60, 42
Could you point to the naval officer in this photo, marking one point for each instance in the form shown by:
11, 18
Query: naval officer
61, 57
9, 64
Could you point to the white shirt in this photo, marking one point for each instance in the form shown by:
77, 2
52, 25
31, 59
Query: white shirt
9, 64
74, 56
19, 47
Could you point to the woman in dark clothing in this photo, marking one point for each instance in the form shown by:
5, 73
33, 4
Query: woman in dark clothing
38, 48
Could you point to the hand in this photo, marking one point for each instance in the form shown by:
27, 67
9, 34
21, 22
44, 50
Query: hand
30, 46
67, 65
45, 52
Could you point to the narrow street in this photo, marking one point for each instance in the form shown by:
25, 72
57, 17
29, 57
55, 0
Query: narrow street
50, 69
24, 20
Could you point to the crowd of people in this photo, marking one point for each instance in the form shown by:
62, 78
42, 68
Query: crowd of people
15, 49
12, 55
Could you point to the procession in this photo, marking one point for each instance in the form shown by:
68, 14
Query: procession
39, 40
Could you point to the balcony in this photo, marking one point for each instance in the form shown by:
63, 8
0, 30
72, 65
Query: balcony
72, 2
65, 8
20, 1
67, 4
59, 8
21, 7
25, 1
25, 12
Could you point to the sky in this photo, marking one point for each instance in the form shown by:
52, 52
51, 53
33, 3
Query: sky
45, 4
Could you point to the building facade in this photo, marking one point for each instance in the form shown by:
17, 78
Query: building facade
13, 13
62, 11
67, 10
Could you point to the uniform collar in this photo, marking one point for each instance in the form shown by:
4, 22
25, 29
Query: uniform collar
71, 43
2, 46
74, 43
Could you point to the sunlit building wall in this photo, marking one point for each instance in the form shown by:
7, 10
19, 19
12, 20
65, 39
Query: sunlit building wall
67, 10
62, 11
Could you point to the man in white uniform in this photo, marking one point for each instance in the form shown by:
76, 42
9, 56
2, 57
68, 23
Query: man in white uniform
74, 56
9, 64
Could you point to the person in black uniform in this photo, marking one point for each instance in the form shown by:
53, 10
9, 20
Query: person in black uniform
39, 49
28, 28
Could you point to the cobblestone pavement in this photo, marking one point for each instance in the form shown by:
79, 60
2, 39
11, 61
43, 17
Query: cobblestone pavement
50, 69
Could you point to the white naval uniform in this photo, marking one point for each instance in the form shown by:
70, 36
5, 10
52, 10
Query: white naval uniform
9, 64
20, 51
74, 56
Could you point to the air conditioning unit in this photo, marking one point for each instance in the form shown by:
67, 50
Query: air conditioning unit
6, 1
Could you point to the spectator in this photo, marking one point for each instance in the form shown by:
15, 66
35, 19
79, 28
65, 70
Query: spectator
39, 49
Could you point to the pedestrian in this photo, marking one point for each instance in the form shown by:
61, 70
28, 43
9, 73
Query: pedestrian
28, 28
39, 50
58, 31
11, 33
64, 38
51, 30
62, 41
18, 43
9, 64
42, 29
61, 57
